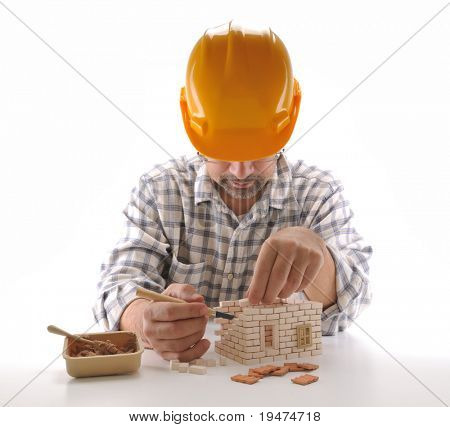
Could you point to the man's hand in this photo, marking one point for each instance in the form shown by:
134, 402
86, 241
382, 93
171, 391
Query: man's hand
289, 261
174, 330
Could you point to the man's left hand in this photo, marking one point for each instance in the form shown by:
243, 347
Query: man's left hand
289, 261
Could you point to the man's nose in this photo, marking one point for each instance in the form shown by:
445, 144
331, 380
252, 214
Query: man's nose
241, 170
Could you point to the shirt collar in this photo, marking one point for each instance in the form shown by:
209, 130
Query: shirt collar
276, 193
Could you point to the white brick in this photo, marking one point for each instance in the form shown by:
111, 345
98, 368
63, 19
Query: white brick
316, 352
250, 311
183, 367
299, 313
226, 303
211, 362
279, 357
251, 323
292, 356
198, 370
250, 362
273, 316
174, 365
267, 310
244, 302
316, 305
285, 315
266, 359
280, 309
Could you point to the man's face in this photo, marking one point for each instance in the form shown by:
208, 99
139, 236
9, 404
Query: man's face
241, 180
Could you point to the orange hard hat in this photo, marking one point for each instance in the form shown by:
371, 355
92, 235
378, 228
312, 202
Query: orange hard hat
241, 100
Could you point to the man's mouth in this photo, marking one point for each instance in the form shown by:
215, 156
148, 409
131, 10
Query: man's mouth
241, 185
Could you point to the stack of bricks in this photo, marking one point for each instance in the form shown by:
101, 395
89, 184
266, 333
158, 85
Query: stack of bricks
268, 333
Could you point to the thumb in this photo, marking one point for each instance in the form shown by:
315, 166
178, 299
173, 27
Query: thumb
185, 292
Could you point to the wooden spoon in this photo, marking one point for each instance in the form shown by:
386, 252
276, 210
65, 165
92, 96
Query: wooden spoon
58, 331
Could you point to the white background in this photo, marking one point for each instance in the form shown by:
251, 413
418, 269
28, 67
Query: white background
69, 159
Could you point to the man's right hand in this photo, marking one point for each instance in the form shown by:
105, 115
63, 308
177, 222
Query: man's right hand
174, 330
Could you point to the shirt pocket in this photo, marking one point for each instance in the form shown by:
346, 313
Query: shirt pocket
191, 274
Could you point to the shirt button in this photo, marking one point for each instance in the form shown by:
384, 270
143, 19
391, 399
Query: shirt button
230, 276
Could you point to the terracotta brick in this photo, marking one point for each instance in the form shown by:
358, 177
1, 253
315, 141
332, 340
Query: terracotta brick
245, 379
293, 367
280, 372
305, 379
252, 373
266, 369
308, 366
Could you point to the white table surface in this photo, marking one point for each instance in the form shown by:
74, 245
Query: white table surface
353, 371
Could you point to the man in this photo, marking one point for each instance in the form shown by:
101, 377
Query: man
237, 220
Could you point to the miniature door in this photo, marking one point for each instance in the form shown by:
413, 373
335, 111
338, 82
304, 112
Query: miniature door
269, 332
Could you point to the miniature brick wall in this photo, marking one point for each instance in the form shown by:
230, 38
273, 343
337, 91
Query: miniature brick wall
268, 333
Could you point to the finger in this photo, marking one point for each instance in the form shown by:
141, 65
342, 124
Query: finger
263, 267
171, 311
311, 273
195, 352
185, 292
178, 345
178, 328
278, 276
294, 278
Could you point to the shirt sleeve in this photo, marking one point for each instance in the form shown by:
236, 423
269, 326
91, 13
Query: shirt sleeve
333, 222
138, 258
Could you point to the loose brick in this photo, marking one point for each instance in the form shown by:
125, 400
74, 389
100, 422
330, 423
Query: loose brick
308, 366
245, 379
265, 370
280, 372
305, 379
199, 370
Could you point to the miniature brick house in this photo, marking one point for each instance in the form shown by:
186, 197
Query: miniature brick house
269, 333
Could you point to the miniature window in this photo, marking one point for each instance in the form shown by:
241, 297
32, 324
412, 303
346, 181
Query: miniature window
304, 335
268, 336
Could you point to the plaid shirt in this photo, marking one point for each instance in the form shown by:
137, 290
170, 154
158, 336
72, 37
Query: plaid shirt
178, 229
